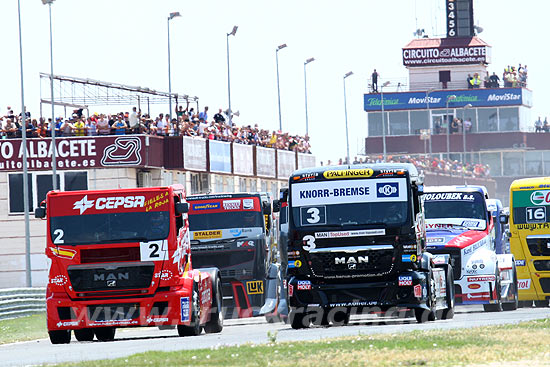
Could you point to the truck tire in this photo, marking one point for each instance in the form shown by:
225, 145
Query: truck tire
60, 336
422, 314
511, 306
495, 307
298, 320
105, 334
449, 312
543, 303
194, 328
84, 335
215, 324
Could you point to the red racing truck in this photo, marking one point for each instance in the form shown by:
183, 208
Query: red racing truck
121, 258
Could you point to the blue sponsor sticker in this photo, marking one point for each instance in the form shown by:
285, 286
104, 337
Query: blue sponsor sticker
520, 262
206, 206
294, 264
184, 309
387, 190
236, 232
408, 258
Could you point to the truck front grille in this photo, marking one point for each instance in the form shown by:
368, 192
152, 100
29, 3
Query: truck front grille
539, 246
114, 312
354, 265
456, 259
106, 277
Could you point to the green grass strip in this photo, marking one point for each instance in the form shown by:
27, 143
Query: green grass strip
23, 328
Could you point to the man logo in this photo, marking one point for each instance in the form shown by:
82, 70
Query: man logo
387, 190
351, 260
352, 266
111, 283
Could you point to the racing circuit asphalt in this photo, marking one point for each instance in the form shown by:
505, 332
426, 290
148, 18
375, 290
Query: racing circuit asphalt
254, 330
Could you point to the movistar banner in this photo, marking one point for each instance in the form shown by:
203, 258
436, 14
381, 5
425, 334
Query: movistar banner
438, 99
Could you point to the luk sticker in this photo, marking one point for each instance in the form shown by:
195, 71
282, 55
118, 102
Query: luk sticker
255, 287
184, 301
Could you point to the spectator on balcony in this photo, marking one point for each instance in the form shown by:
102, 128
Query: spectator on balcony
179, 112
219, 117
539, 126
103, 127
546, 126
469, 81
10, 130
42, 128
204, 115
133, 120
374, 78
91, 126
66, 128
467, 125
120, 126
79, 127
486, 81
475, 81
495, 80
30, 129
454, 126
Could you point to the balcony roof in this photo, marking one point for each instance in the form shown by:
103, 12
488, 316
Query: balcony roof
445, 42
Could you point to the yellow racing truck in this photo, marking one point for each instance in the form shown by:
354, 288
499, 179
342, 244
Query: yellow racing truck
530, 238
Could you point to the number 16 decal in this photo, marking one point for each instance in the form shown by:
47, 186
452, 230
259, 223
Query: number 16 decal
312, 215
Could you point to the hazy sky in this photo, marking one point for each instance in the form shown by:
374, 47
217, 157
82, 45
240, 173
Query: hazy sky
125, 41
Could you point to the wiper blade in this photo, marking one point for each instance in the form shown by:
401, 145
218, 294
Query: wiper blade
225, 240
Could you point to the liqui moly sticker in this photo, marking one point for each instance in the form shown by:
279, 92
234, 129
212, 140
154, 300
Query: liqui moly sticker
304, 285
418, 291
524, 283
405, 281
343, 234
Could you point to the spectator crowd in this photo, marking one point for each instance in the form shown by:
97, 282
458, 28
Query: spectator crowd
542, 127
512, 77
426, 164
185, 123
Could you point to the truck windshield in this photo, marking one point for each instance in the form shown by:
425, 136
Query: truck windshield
350, 202
109, 228
232, 219
456, 205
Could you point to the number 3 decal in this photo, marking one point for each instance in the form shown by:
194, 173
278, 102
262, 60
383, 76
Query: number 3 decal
314, 212
309, 242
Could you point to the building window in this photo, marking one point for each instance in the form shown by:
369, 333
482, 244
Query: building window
218, 183
509, 119
419, 121
487, 119
375, 123
264, 186
533, 163
242, 184
494, 162
399, 123
254, 185
513, 163
40, 183
546, 158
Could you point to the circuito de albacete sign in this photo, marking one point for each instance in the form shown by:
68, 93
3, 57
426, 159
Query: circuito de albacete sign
445, 55
72, 153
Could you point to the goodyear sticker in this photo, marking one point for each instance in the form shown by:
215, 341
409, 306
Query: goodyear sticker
203, 235
348, 173
255, 287
206, 206
408, 258
294, 264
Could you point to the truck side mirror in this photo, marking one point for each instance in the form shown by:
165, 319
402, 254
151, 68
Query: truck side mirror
276, 206
40, 212
503, 218
182, 208
267, 208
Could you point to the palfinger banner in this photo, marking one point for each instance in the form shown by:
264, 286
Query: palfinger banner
76, 153
243, 159
194, 153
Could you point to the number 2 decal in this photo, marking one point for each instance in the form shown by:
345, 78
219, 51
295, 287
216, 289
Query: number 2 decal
309, 242
153, 250
59, 239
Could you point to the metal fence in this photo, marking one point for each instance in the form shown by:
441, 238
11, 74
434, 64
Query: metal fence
17, 302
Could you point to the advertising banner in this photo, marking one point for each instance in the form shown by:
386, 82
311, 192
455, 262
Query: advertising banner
306, 160
194, 153
220, 156
74, 153
265, 162
286, 163
243, 159
437, 99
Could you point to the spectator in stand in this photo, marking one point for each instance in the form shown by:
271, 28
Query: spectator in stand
133, 120
454, 126
91, 125
103, 127
10, 129
495, 80
66, 128
219, 117
179, 112
204, 115
539, 126
469, 81
79, 126
42, 129
374, 77
30, 129
467, 125
475, 81
120, 126
486, 81
546, 126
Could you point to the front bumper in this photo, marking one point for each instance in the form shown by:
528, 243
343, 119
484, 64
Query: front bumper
409, 289
163, 308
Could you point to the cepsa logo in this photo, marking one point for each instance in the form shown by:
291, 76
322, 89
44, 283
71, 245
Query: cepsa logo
113, 202
541, 197
348, 173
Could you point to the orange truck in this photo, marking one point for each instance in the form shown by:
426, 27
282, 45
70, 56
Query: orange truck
122, 258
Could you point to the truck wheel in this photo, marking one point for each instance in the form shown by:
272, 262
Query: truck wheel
449, 312
495, 307
105, 334
60, 336
514, 304
194, 327
84, 335
421, 314
298, 320
215, 324
543, 303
